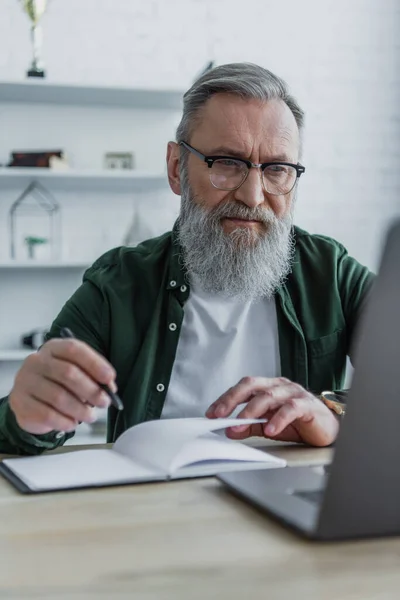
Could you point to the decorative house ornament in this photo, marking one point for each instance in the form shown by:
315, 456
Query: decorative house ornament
35, 225
138, 231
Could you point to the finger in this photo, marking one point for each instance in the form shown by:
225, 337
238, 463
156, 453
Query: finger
270, 400
60, 399
289, 412
38, 418
82, 355
241, 432
75, 381
259, 405
287, 390
240, 393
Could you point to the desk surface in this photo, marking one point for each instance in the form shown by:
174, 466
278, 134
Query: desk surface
185, 539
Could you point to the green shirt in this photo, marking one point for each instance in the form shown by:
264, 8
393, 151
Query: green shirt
129, 297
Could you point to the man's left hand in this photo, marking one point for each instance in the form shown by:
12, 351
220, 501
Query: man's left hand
293, 413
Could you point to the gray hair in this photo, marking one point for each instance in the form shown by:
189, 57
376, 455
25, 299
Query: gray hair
242, 79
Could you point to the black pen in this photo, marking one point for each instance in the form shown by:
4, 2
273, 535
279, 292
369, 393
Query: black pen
66, 333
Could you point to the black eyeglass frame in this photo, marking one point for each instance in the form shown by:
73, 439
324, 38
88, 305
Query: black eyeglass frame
300, 169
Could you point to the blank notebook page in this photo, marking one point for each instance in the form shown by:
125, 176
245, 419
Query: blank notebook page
74, 469
212, 447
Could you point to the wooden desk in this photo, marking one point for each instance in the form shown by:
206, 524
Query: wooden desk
180, 540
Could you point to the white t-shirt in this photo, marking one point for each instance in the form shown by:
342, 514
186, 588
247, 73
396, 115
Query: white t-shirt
220, 342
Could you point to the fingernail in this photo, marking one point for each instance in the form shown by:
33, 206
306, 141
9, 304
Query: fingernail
270, 429
113, 387
107, 373
93, 416
105, 399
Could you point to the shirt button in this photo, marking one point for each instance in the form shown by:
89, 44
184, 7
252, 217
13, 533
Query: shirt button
172, 283
160, 387
183, 288
60, 434
172, 326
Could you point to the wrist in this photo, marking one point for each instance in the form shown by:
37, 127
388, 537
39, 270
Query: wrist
335, 402
322, 429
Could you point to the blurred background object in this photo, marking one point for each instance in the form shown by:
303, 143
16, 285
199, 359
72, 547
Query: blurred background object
41, 159
35, 221
118, 160
138, 230
34, 339
116, 71
35, 10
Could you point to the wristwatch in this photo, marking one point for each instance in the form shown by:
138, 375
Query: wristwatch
335, 401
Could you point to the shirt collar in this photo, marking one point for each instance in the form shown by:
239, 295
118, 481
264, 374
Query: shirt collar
177, 276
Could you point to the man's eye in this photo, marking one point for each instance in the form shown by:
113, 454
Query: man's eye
228, 162
277, 168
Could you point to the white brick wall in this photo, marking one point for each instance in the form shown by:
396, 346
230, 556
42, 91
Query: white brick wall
342, 60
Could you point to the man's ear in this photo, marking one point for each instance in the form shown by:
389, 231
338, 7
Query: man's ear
173, 157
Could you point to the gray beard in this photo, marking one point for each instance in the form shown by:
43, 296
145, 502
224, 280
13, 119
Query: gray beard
244, 264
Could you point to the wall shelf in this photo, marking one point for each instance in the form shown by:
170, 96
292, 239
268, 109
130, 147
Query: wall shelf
15, 355
89, 179
37, 264
45, 92
33, 291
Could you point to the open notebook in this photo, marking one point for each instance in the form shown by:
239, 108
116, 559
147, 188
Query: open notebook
151, 451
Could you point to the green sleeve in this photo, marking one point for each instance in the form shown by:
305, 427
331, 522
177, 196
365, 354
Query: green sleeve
86, 316
355, 282
14, 440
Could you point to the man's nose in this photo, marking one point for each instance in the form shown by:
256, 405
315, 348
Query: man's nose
251, 192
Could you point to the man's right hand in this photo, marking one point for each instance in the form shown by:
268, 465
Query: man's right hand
57, 387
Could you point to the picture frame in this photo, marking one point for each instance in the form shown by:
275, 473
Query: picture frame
119, 160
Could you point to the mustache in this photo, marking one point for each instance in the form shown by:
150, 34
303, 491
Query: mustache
241, 211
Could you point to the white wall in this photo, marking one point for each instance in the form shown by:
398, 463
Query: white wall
342, 60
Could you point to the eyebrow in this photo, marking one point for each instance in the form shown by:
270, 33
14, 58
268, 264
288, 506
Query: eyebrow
225, 151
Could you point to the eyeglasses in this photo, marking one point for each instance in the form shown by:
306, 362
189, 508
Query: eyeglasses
227, 173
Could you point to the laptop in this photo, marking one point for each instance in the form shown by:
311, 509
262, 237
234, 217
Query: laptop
359, 495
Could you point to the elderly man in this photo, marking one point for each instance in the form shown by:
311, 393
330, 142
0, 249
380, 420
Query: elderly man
236, 311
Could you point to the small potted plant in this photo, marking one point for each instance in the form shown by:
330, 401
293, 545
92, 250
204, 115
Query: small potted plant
32, 241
